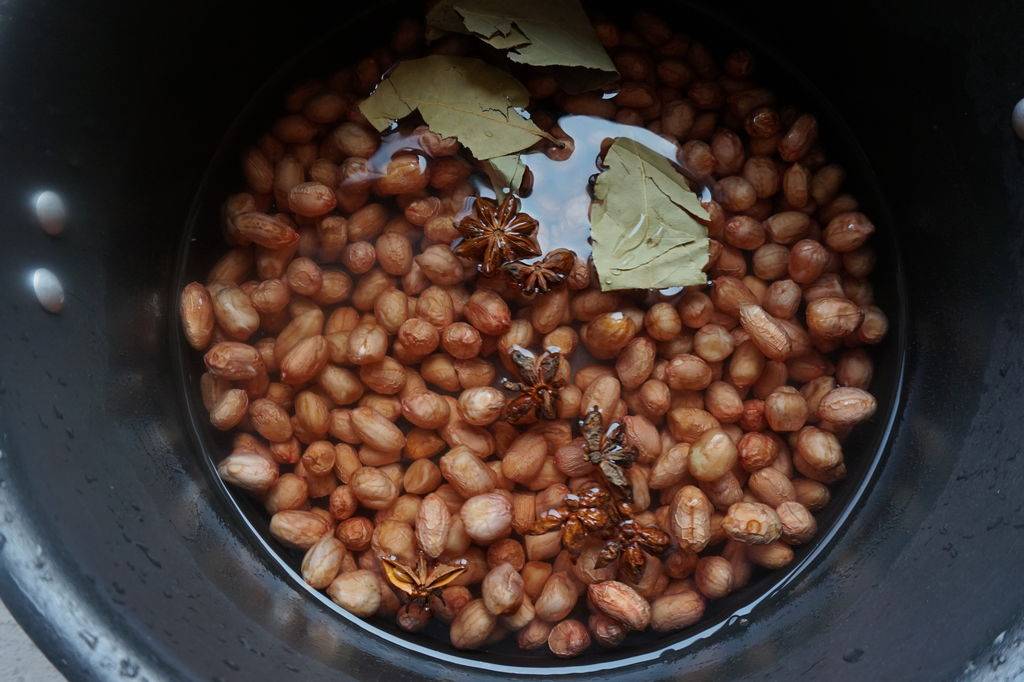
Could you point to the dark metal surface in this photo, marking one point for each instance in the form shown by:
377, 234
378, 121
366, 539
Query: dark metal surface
122, 560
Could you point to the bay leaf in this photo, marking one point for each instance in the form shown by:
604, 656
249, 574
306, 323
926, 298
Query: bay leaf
535, 32
505, 174
647, 227
457, 97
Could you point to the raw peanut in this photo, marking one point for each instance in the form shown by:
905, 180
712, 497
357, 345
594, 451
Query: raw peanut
690, 517
394, 253
391, 310
811, 494
723, 401
427, 410
713, 343
197, 315
305, 361
771, 262
230, 409
270, 296
785, 409
386, 378
568, 639
270, 420
440, 265
355, 533
549, 310
676, 611
688, 424
557, 599
265, 230
524, 458
311, 199
234, 312
688, 373
670, 468
819, 449
807, 261
480, 406
421, 477
713, 577
377, 431
756, 451
636, 361
466, 473
722, 492
798, 525
342, 503
312, 414
507, 551
359, 257
302, 327
367, 344
608, 333
502, 590
602, 393
298, 529
662, 322
372, 488
621, 602
746, 365
488, 312
771, 486
799, 138
752, 523
487, 517
846, 406
340, 385
394, 538
461, 340
319, 457
287, 492
606, 631
534, 635
472, 626
358, 592
406, 173
322, 562
765, 331
773, 555
787, 227
712, 455
848, 231
248, 470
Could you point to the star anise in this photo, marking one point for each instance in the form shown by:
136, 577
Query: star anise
418, 584
538, 390
579, 516
497, 234
630, 543
542, 275
607, 449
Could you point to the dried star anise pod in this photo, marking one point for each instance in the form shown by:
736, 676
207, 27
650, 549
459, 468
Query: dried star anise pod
579, 516
630, 543
538, 390
418, 584
606, 448
542, 275
497, 234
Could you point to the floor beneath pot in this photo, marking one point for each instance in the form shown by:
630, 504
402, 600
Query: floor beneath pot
20, 660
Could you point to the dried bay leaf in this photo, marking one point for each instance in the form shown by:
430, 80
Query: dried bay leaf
535, 32
505, 174
457, 97
647, 227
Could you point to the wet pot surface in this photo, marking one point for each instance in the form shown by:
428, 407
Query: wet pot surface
128, 557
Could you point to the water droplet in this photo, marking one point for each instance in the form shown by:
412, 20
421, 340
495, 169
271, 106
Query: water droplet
50, 212
48, 289
1018, 119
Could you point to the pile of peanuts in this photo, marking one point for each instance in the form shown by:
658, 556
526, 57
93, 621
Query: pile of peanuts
356, 358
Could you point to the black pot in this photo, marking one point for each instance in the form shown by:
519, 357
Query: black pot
124, 556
